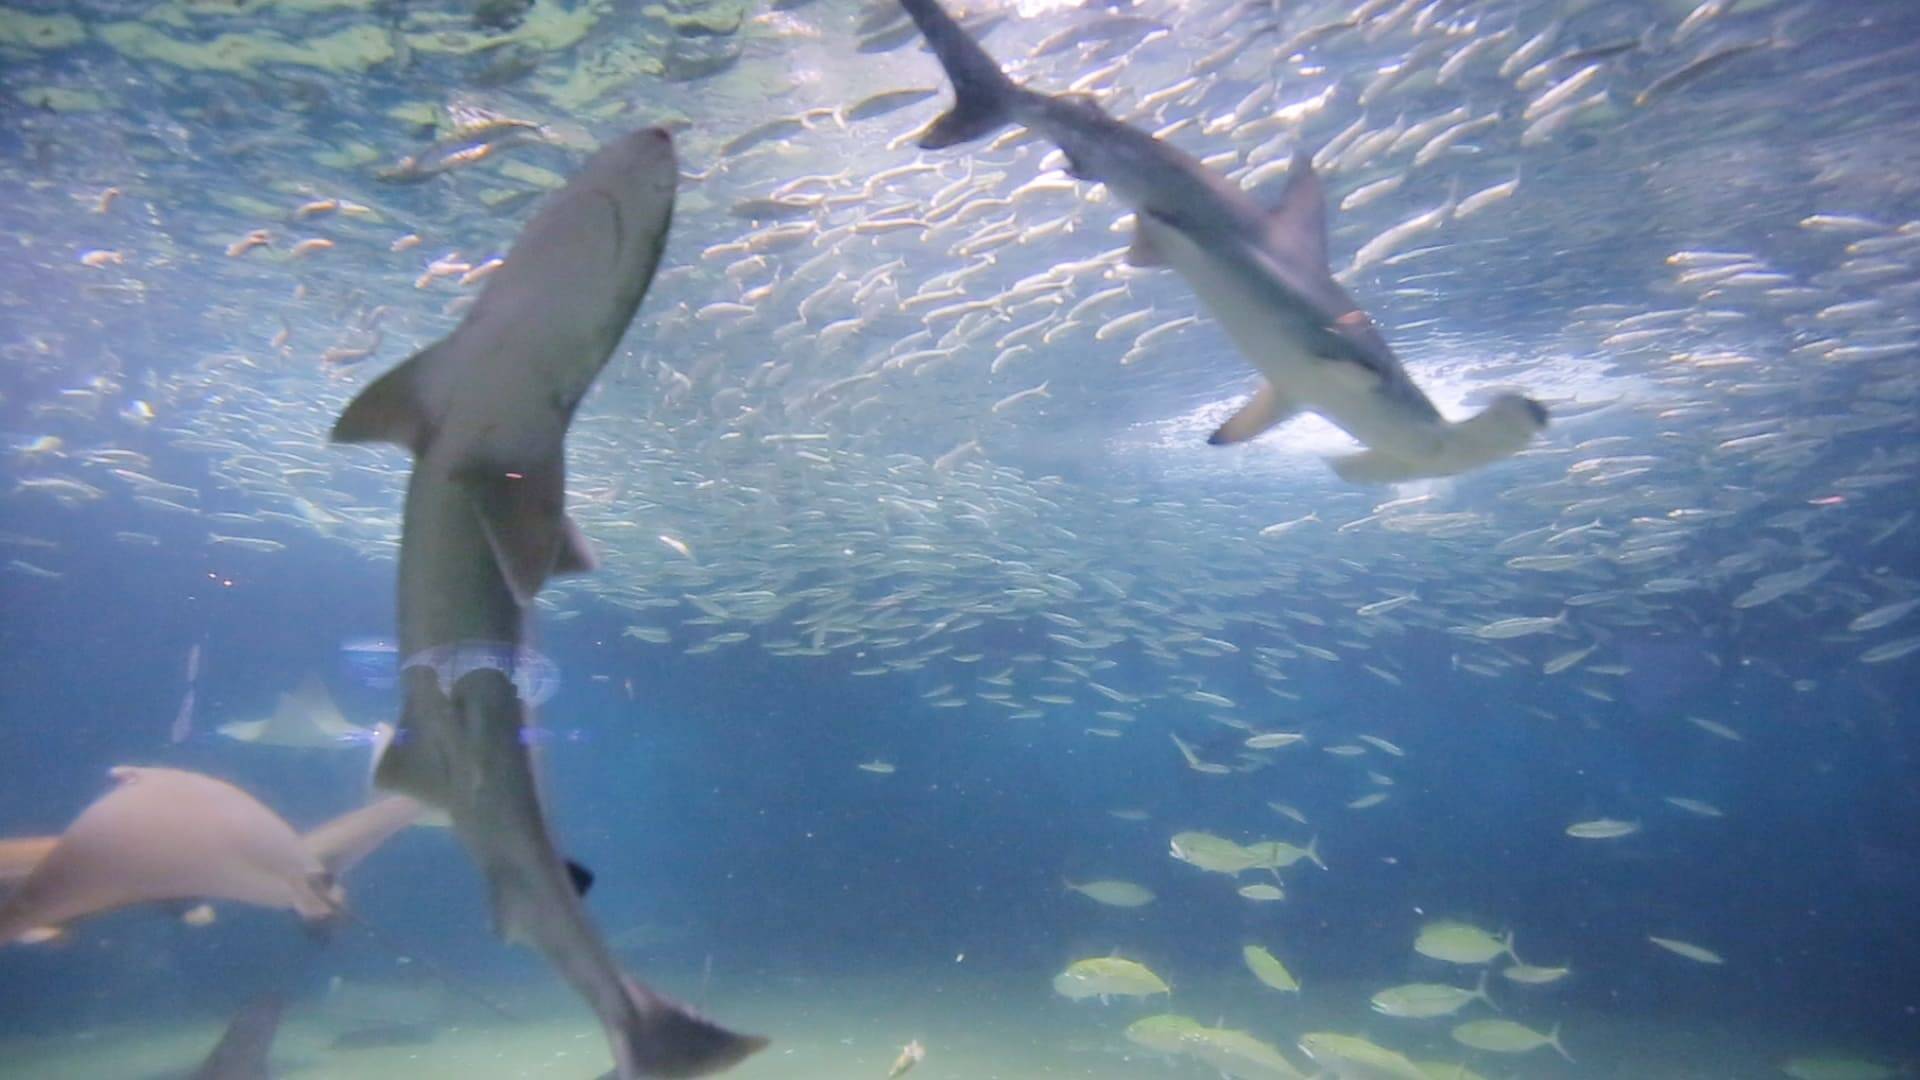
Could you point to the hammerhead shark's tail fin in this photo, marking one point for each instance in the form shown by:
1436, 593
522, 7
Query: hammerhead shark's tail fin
1500, 430
983, 96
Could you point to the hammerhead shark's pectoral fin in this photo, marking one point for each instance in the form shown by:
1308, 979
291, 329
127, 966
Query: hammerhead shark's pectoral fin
1267, 408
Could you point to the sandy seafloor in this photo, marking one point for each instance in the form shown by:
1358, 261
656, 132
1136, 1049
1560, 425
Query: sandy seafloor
973, 1028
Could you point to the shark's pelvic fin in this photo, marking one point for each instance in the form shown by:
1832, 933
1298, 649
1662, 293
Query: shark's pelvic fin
1298, 222
392, 408
1266, 408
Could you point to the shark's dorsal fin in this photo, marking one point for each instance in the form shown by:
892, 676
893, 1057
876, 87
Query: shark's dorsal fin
1143, 252
1297, 224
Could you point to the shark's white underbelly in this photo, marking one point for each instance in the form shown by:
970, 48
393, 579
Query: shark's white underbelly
1274, 339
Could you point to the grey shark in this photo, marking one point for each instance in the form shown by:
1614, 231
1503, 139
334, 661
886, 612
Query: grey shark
485, 412
488, 406
1262, 273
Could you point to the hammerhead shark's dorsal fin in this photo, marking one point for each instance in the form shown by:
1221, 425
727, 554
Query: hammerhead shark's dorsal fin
392, 408
1266, 408
1297, 224
1143, 252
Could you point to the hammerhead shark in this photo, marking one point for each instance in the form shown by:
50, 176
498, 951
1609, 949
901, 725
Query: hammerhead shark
1263, 275
167, 835
485, 413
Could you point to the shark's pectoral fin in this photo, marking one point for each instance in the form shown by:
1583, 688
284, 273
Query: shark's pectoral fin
1266, 408
520, 513
1144, 251
392, 408
1376, 467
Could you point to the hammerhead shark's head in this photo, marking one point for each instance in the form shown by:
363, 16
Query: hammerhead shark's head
485, 412
168, 835
1263, 274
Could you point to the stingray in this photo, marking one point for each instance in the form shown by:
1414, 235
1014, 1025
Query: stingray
19, 856
169, 836
305, 718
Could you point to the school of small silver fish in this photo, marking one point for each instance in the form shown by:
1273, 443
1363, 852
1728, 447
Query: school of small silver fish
887, 403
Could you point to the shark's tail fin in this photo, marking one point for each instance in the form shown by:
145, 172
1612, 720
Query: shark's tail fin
672, 1040
983, 96
1500, 430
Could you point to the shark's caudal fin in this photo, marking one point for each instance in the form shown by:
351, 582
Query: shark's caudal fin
673, 1041
983, 96
1500, 430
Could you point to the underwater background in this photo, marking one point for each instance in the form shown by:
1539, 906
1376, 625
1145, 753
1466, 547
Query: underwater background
880, 646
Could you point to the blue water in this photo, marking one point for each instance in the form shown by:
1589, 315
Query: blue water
716, 796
